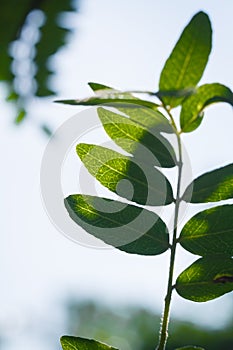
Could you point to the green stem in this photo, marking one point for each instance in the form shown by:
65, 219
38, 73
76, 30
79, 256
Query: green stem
166, 312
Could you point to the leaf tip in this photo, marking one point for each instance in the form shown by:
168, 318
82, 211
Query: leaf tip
63, 339
82, 149
66, 102
100, 110
97, 86
202, 15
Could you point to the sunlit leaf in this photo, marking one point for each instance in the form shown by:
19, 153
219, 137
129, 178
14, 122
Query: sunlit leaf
150, 118
137, 140
174, 93
195, 123
205, 95
206, 279
96, 87
209, 232
187, 62
142, 184
111, 98
213, 186
127, 227
153, 120
77, 343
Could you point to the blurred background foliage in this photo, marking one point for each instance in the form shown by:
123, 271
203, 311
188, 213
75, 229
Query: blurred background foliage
135, 328
31, 32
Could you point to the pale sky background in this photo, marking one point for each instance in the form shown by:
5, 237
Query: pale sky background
123, 44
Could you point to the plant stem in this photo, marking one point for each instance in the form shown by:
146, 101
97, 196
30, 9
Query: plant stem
166, 312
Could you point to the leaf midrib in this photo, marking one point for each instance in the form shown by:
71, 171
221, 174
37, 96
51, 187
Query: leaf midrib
129, 177
210, 187
188, 284
117, 222
130, 136
206, 234
70, 344
186, 62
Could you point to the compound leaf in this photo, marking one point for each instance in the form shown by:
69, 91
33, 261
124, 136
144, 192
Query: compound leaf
213, 186
137, 140
140, 183
209, 232
129, 228
206, 279
186, 64
192, 107
77, 343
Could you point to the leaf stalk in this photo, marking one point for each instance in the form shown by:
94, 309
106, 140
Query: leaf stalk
166, 313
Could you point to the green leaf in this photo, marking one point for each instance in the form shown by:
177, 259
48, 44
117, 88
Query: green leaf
21, 116
97, 87
153, 120
205, 95
120, 174
111, 98
135, 139
77, 343
195, 123
214, 186
129, 228
186, 64
209, 232
206, 279
175, 93
150, 118
190, 347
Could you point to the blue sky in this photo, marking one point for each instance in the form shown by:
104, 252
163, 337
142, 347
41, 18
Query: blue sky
123, 44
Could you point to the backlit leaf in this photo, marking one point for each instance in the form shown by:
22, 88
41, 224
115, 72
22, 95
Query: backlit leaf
96, 87
177, 93
186, 64
150, 118
77, 343
213, 186
206, 279
127, 227
174, 93
142, 184
111, 98
209, 232
205, 95
135, 139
